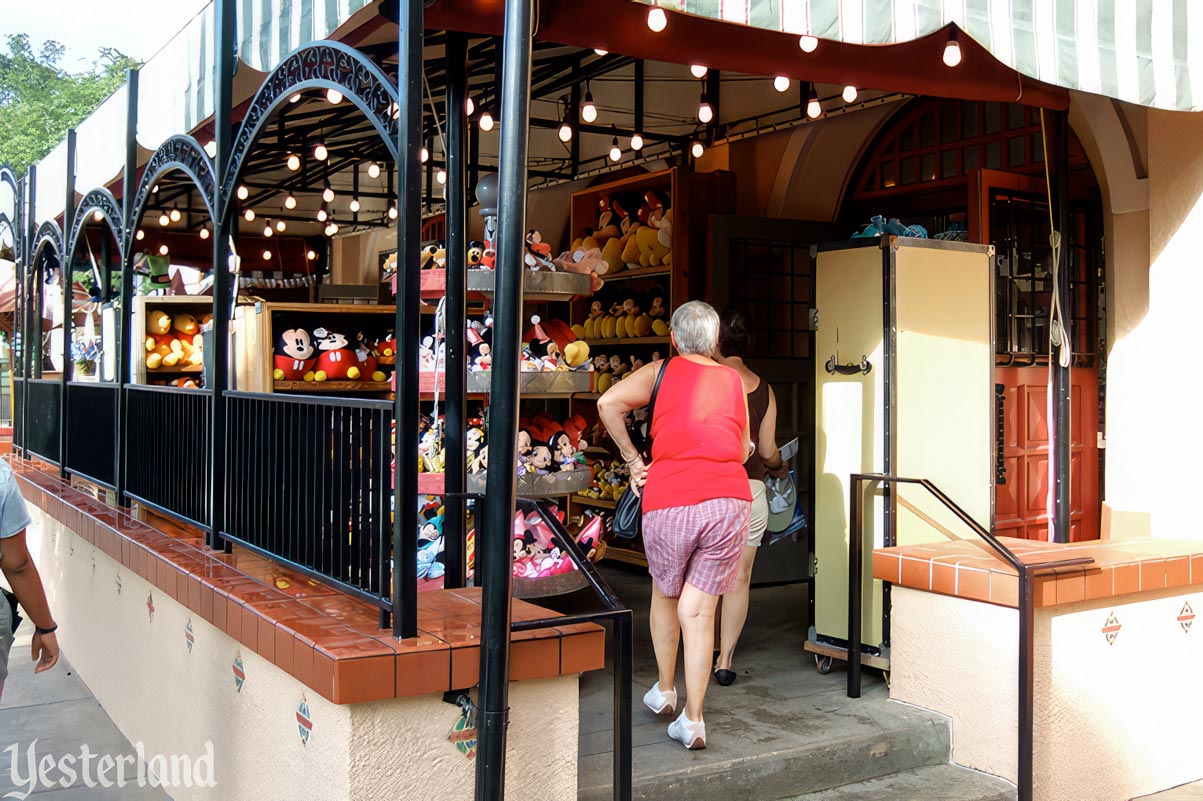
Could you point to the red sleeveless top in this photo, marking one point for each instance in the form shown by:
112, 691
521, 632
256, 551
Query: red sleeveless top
697, 432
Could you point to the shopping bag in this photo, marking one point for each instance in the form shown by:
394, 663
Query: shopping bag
786, 515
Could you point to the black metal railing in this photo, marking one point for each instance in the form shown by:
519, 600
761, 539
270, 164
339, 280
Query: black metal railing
44, 397
167, 450
621, 641
309, 481
1027, 572
91, 437
18, 396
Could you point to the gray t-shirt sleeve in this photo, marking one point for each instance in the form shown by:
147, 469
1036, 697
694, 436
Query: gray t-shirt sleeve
14, 517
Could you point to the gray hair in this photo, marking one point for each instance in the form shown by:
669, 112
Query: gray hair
695, 327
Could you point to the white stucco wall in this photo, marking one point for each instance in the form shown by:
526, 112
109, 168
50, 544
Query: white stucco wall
174, 701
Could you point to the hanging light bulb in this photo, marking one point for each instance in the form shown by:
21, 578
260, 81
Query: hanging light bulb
267, 230
290, 202
598, 51
705, 110
281, 225
309, 254
164, 220
813, 108
636, 141
952, 50
441, 177
424, 155
243, 192
657, 20
295, 98
320, 152
139, 235
175, 215
334, 96
322, 214
588, 110
564, 132
331, 228
697, 71
697, 149
781, 83
486, 120
249, 215
294, 162
204, 233
162, 250
98, 216
392, 212
211, 148
373, 170
267, 255
849, 94
808, 43
615, 150
469, 107
354, 205
328, 194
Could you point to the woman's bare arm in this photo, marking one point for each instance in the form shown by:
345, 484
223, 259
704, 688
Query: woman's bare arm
766, 440
632, 392
26, 583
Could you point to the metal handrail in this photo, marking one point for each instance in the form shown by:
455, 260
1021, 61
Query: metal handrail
623, 640
1027, 571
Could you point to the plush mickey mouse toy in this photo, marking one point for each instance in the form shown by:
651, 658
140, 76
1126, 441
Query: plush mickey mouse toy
294, 359
336, 361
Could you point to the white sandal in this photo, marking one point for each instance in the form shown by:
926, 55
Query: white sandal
661, 703
688, 733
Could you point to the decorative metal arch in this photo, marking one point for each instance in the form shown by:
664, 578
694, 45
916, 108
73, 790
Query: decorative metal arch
48, 233
9, 177
101, 200
180, 152
317, 65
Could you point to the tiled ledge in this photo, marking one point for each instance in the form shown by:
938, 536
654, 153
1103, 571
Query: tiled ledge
326, 639
969, 569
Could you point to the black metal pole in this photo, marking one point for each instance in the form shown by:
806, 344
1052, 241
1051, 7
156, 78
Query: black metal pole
1027, 672
455, 524
856, 535
623, 676
1061, 378
503, 407
573, 114
129, 187
33, 325
224, 226
19, 336
410, 39
67, 283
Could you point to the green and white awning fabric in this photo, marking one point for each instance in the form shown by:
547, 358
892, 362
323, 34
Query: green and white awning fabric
1148, 52
268, 30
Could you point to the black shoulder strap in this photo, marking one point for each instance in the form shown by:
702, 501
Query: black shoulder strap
651, 404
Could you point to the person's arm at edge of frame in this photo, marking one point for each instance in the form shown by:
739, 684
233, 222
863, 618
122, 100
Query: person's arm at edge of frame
767, 441
26, 583
632, 392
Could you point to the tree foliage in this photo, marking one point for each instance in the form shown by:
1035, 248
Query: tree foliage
39, 100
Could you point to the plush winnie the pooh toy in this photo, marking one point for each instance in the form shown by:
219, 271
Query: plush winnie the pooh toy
159, 341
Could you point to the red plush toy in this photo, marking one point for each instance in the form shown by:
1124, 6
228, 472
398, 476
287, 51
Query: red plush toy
294, 357
336, 361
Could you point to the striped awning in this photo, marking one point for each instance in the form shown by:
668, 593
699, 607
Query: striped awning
1148, 52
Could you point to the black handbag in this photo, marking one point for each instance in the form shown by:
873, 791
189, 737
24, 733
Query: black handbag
11, 600
628, 514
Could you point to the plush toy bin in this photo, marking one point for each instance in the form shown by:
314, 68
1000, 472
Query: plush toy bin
565, 482
558, 382
561, 584
536, 284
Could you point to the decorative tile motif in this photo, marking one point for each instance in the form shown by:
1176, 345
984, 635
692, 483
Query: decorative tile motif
304, 723
189, 637
118, 583
93, 562
463, 733
239, 672
1111, 628
1186, 617
150, 606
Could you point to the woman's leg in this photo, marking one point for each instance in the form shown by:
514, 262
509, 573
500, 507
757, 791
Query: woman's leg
735, 609
696, 612
666, 633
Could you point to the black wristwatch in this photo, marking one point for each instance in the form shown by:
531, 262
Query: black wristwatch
50, 630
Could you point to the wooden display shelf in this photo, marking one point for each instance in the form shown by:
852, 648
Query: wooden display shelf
628, 555
196, 305
179, 368
599, 503
315, 387
544, 486
555, 384
538, 285
627, 341
640, 272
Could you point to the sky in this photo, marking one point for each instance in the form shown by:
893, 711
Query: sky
137, 28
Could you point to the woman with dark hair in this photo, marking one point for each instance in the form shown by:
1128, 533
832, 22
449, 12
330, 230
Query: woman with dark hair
734, 342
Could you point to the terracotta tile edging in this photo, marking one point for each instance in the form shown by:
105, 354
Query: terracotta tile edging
344, 660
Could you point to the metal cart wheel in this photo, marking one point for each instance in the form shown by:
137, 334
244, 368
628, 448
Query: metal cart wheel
823, 664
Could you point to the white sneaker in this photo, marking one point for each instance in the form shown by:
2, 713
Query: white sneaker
661, 703
687, 733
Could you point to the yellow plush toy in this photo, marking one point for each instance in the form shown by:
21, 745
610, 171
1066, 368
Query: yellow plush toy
576, 353
159, 341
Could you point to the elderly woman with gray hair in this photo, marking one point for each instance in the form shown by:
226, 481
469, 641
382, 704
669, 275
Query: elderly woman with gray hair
696, 501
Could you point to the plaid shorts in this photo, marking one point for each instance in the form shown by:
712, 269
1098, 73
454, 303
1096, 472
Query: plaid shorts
699, 544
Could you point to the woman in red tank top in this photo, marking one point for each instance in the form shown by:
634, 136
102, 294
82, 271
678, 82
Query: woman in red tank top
696, 501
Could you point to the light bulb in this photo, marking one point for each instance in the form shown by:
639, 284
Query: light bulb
290, 202
243, 192
328, 195
565, 132
354, 205
249, 215
615, 151
139, 235
813, 109
705, 111
162, 250
952, 50
588, 111
211, 148
392, 212
808, 43
320, 152
637, 141
334, 96
469, 107
267, 230
331, 228
204, 233
98, 216
164, 219
373, 170
441, 177
295, 98
849, 94
486, 121
322, 214
309, 254
154, 189
781, 83
424, 155
697, 149
657, 20
294, 162
697, 70
267, 255
175, 215
281, 225
598, 51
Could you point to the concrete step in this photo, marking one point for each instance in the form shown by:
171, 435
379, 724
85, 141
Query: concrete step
933, 783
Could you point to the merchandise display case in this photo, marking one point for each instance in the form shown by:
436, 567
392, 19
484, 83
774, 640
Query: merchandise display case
166, 347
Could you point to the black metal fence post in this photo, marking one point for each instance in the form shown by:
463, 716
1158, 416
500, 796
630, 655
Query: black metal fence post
31, 274
410, 39
503, 411
129, 187
21, 267
856, 536
624, 670
1027, 681
1058, 165
67, 284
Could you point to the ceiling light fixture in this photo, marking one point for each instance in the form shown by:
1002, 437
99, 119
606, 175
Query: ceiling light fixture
600, 52
588, 110
98, 216
328, 194
636, 141
615, 150
162, 250
295, 98
294, 162
204, 233
657, 20
267, 230
392, 212
469, 107
850, 94
281, 225
813, 108
175, 215
139, 235
354, 205
705, 110
441, 177
267, 255
309, 254
424, 155
322, 214
290, 202
808, 43
243, 192
564, 132
697, 149
334, 96
164, 220
249, 215
952, 50
781, 83
486, 121
697, 71
320, 152
373, 170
